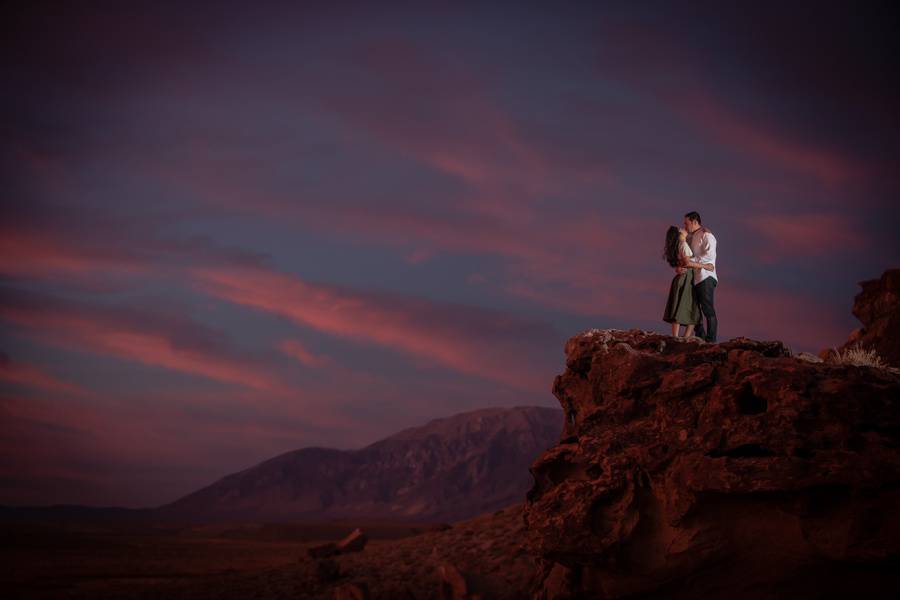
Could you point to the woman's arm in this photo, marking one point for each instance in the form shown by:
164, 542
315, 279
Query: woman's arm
696, 265
687, 262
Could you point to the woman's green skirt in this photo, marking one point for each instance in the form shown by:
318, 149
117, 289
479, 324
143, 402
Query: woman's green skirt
681, 306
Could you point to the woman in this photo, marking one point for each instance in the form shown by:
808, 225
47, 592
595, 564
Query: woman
681, 308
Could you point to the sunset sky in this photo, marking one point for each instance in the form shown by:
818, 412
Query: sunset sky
238, 229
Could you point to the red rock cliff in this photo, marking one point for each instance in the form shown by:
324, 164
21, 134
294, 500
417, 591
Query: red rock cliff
689, 469
877, 306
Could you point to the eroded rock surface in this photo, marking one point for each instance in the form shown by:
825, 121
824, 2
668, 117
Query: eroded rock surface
688, 469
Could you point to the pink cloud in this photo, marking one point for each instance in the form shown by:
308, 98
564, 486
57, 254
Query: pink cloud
653, 62
786, 236
584, 250
87, 244
777, 148
173, 343
33, 376
419, 256
455, 125
44, 255
297, 350
798, 319
471, 340
112, 248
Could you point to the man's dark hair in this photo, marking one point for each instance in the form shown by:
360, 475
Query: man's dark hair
694, 216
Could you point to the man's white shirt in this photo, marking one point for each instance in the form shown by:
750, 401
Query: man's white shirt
704, 248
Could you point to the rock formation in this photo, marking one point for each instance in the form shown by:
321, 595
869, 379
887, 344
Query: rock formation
446, 470
688, 469
877, 307
354, 542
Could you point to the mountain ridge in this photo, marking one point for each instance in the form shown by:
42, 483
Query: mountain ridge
450, 468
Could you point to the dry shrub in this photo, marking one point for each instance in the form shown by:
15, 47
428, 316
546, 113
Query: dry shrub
858, 356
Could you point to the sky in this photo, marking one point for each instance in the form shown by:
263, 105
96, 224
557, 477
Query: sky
230, 230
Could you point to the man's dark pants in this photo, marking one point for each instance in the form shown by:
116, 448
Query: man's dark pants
704, 292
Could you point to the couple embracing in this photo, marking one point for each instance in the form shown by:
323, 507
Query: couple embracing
692, 253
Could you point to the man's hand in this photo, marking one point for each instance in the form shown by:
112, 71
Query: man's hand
709, 266
680, 270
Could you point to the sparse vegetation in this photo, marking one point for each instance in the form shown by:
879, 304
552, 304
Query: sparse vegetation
858, 356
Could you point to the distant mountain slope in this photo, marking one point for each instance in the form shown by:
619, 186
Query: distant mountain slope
448, 469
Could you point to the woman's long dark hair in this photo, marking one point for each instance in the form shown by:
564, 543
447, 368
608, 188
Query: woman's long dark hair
670, 252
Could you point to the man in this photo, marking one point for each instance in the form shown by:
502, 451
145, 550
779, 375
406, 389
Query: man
703, 245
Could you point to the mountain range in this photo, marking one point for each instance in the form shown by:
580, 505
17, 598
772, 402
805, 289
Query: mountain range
448, 469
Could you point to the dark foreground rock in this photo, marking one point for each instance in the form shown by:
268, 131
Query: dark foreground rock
735, 470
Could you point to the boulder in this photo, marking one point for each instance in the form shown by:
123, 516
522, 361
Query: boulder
323, 550
354, 542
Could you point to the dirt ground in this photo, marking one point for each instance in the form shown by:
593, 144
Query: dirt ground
263, 561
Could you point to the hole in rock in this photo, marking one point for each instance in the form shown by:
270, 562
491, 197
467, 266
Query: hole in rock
602, 515
742, 451
856, 442
748, 403
562, 470
805, 453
